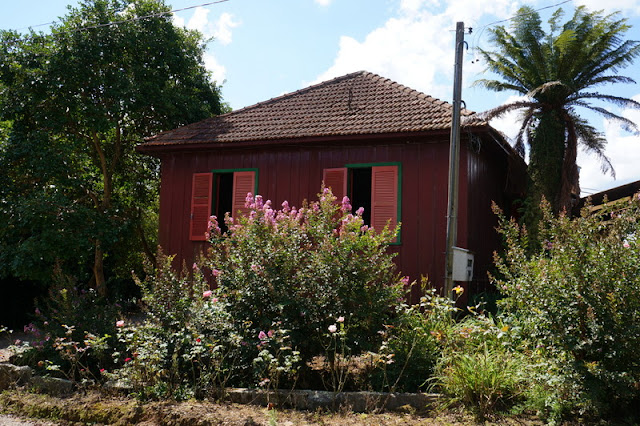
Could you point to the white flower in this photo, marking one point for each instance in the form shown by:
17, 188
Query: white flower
333, 328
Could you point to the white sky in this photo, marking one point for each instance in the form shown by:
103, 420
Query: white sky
264, 48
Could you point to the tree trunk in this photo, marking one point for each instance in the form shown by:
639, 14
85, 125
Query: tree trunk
98, 270
570, 177
545, 169
547, 156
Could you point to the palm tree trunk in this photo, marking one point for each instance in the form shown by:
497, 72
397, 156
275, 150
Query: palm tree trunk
545, 170
570, 176
547, 158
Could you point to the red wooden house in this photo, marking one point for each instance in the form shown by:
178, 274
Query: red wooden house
384, 145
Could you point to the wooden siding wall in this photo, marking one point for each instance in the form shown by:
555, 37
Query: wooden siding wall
294, 173
487, 177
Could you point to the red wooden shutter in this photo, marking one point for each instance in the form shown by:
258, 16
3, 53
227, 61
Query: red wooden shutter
243, 183
384, 196
336, 179
200, 205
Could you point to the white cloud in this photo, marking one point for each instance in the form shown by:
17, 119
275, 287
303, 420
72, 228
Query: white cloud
218, 71
627, 7
220, 30
416, 47
324, 3
200, 21
178, 20
408, 50
623, 149
414, 6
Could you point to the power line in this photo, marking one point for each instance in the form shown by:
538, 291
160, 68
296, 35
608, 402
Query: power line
35, 26
136, 18
526, 14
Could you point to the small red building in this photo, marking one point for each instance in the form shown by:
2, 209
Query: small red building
384, 145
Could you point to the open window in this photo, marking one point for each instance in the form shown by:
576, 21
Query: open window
217, 193
375, 187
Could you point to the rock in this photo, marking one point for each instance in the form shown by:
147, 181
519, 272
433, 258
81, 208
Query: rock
52, 386
12, 376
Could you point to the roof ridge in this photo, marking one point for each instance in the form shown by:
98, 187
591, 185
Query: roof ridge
405, 88
296, 92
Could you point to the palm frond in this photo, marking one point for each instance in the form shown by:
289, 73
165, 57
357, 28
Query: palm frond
524, 133
606, 79
544, 87
594, 142
616, 100
500, 111
499, 86
602, 58
626, 124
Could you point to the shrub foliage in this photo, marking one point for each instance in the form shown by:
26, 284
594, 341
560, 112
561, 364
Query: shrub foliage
577, 298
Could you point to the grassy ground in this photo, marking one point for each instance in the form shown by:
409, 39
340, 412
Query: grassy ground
96, 408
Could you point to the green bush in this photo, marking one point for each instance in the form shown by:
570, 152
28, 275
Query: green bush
413, 343
185, 346
71, 332
577, 300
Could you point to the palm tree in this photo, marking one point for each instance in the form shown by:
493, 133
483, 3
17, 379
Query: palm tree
557, 73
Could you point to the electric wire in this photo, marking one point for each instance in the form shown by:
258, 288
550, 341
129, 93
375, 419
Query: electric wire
112, 23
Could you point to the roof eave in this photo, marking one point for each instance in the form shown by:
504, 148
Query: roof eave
154, 149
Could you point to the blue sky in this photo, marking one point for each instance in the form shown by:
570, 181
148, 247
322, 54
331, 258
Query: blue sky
265, 48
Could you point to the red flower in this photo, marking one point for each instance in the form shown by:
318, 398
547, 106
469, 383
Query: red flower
127, 359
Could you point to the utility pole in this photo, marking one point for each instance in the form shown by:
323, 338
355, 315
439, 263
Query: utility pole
454, 162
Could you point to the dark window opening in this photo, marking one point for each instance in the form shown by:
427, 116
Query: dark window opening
223, 197
361, 191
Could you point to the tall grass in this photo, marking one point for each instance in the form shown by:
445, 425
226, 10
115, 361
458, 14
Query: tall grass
487, 381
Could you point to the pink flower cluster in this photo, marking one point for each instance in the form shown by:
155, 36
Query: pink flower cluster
213, 228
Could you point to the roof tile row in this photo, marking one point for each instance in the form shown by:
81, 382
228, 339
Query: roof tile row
355, 104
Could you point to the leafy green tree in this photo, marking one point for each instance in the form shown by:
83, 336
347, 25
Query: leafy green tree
559, 71
76, 103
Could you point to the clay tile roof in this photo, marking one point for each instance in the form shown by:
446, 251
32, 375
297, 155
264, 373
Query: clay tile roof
355, 104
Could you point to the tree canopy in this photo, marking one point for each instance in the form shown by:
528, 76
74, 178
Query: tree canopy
558, 72
75, 103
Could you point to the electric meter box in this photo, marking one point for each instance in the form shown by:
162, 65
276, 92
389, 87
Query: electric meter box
462, 264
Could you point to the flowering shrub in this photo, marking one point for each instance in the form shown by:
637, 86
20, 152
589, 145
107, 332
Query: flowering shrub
277, 360
577, 299
70, 331
294, 266
186, 346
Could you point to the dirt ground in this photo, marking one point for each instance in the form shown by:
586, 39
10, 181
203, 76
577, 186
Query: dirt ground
96, 408
23, 408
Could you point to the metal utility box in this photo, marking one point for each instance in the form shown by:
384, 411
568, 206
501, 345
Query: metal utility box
462, 264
